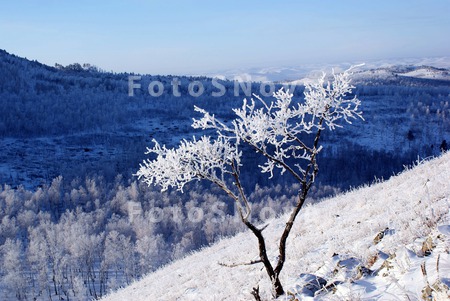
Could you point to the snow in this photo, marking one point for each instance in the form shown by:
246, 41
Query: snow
333, 240
430, 73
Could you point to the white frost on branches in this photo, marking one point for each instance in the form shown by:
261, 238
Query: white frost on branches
331, 101
198, 159
273, 129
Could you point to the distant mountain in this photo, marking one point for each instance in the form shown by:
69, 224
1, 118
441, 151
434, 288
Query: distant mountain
388, 241
396, 74
413, 72
276, 74
298, 72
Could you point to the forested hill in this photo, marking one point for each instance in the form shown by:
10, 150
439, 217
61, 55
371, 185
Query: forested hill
38, 100
56, 119
78, 120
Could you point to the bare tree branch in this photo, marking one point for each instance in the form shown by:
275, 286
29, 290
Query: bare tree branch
233, 265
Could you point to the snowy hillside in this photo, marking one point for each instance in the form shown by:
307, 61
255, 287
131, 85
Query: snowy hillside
374, 243
413, 72
392, 74
429, 72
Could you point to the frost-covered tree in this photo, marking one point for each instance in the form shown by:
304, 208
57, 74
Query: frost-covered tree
285, 131
120, 258
12, 275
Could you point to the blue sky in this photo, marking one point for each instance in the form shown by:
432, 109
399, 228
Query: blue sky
188, 37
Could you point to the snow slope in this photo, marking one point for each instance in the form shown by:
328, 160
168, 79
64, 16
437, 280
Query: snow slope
367, 244
429, 72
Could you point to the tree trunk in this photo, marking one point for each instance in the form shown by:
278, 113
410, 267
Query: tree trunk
277, 288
